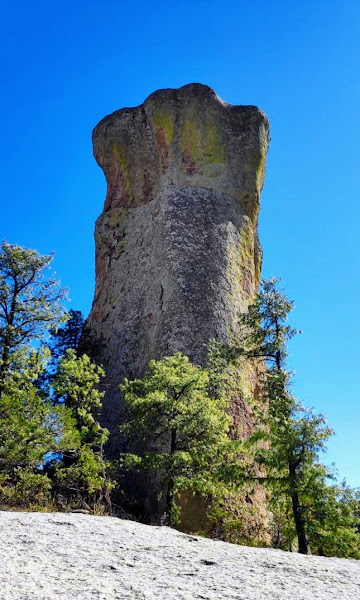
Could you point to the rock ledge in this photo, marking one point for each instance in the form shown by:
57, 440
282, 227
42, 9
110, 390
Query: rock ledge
67, 556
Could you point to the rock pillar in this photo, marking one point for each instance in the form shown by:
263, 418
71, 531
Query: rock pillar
177, 250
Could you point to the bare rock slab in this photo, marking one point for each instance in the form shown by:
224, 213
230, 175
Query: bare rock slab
74, 556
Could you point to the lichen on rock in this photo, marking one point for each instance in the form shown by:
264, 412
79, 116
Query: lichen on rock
177, 251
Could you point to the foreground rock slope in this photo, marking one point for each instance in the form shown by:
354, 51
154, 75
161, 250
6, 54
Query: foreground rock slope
68, 556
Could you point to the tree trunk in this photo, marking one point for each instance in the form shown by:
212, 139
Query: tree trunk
298, 518
5, 357
170, 487
106, 490
5, 362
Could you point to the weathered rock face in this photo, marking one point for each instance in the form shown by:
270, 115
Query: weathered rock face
104, 558
177, 252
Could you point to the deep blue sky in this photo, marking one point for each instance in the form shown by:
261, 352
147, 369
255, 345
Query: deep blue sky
67, 64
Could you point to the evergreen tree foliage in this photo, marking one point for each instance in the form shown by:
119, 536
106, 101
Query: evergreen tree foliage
46, 451
182, 429
81, 474
30, 302
53, 450
30, 430
290, 438
332, 518
67, 337
76, 384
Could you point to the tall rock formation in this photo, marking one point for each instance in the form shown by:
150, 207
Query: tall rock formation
177, 250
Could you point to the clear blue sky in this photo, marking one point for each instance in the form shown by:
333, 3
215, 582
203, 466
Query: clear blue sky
67, 64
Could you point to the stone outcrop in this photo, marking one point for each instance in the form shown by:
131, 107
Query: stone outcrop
177, 250
67, 556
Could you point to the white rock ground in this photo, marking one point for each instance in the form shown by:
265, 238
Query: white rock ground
65, 556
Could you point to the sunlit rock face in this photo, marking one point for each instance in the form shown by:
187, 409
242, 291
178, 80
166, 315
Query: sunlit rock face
107, 558
177, 251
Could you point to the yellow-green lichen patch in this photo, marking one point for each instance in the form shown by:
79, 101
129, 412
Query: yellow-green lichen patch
234, 270
258, 164
120, 153
246, 245
191, 145
214, 148
246, 255
118, 217
241, 264
258, 265
240, 380
201, 147
164, 120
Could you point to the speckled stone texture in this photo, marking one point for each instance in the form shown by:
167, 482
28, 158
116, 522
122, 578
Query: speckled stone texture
78, 557
177, 251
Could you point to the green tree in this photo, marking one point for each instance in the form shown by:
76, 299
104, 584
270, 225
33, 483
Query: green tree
289, 437
332, 518
294, 439
81, 473
183, 430
45, 447
331, 515
30, 302
67, 337
46, 451
30, 430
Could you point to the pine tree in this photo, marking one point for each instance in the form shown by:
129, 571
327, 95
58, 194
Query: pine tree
81, 472
30, 302
45, 447
30, 431
182, 428
67, 337
289, 437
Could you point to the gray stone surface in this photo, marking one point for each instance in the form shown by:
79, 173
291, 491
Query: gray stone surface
68, 556
177, 252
